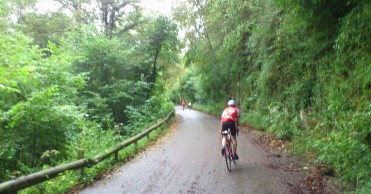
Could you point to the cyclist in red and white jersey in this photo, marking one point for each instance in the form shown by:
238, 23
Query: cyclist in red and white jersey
183, 104
229, 119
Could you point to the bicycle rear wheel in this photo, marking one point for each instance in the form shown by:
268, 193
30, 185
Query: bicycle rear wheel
228, 157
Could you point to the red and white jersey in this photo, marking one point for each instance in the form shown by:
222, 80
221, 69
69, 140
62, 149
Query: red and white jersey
230, 114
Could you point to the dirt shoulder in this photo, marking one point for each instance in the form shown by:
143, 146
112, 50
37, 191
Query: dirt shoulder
318, 177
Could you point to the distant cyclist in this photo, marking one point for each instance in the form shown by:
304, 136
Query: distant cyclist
183, 104
229, 119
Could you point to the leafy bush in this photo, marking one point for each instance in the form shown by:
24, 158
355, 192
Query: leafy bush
258, 120
38, 103
144, 115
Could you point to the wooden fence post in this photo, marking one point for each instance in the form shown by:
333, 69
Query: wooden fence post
80, 155
135, 146
117, 156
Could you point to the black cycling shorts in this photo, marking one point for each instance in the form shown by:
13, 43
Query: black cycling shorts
231, 125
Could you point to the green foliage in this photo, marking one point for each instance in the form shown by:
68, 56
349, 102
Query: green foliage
111, 79
86, 142
185, 89
80, 88
38, 103
298, 69
97, 109
5, 11
283, 126
44, 28
142, 116
256, 119
352, 157
126, 73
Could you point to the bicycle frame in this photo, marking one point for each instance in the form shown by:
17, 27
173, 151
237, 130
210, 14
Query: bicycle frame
229, 149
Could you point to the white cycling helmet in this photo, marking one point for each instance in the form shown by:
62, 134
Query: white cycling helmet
231, 103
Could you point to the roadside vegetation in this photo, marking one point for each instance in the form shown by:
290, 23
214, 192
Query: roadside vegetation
90, 75
300, 70
69, 87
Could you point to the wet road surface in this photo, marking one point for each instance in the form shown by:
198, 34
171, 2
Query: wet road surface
190, 161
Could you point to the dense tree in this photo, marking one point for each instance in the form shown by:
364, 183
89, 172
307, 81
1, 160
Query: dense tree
44, 27
114, 65
37, 102
119, 16
82, 10
161, 45
20, 7
82, 84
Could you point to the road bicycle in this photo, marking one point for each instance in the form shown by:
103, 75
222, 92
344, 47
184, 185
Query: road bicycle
228, 153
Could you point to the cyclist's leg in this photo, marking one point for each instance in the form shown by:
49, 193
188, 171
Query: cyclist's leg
223, 141
234, 141
224, 128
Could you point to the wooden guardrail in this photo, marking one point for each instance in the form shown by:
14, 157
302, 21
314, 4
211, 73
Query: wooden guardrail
20, 183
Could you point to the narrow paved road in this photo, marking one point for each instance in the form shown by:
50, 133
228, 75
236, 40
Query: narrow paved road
190, 162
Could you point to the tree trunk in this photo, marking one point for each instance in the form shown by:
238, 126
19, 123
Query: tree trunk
154, 67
